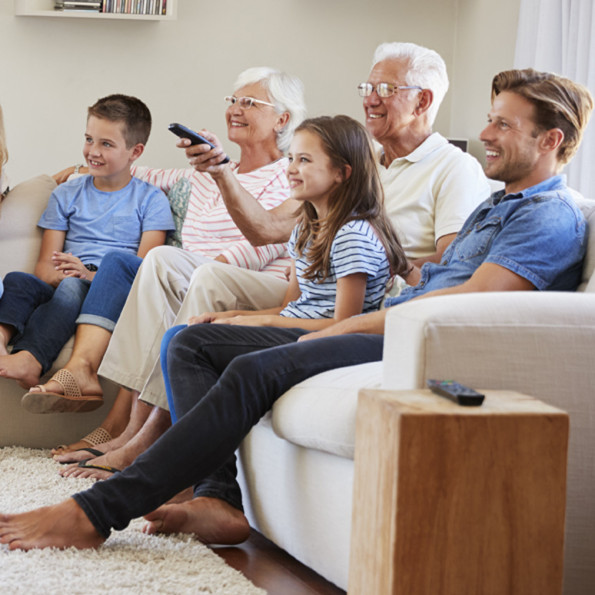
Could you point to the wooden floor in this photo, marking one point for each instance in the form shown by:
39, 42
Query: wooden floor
273, 569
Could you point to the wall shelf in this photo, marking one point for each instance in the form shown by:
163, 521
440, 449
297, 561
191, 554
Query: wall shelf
45, 8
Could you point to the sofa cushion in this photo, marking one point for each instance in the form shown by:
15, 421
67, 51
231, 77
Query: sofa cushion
178, 198
319, 412
19, 214
587, 207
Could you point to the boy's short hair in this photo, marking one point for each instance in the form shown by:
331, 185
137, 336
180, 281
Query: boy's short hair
559, 103
132, 112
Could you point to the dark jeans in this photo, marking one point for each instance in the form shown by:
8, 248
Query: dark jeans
43, 316
109, 290
224, 379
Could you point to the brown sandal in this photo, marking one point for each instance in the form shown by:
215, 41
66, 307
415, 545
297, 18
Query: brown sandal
97, 436
72, 400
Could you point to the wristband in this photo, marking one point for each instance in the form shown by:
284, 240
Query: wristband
77, 167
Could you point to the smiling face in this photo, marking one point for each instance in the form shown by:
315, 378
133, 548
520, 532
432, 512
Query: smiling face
106, 154
256, 125
512, 142
311, 174
388, 117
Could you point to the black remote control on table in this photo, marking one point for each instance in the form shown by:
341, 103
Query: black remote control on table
463, 395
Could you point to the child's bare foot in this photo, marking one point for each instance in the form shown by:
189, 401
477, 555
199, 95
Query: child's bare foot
22, 367
62, 525
210, 520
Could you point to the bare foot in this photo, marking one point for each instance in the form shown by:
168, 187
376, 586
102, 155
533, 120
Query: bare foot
117, 459
22, 367
184, 496
85, 378
210, 520
77, 456
6, 334
69, 454
62, 525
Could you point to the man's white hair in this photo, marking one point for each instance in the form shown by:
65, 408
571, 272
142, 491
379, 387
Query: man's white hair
426, 69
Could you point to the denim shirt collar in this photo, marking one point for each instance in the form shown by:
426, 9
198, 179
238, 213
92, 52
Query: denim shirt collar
553, 183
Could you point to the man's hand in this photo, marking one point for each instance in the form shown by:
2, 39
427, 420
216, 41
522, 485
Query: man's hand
62, 176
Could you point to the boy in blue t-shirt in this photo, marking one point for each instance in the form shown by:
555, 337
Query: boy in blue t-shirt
85, 218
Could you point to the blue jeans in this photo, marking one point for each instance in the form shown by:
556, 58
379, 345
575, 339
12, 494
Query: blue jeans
224, 379
43, 316
109, 290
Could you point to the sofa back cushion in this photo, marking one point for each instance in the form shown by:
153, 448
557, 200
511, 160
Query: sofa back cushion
19, 213
587, 207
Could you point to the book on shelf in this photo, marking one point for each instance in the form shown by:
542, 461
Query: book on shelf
78, 4
140, 7
149, 7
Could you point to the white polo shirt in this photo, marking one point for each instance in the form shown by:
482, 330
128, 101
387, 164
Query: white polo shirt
431, 192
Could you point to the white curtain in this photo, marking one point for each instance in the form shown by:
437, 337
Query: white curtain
559, 36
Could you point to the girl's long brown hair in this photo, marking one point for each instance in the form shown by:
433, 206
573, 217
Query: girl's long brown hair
359, 196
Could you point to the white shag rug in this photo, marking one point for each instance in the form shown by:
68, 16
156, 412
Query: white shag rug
128, 562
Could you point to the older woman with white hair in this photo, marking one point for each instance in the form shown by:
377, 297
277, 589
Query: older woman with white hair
264, 110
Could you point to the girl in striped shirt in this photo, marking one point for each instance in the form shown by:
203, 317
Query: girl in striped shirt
344, 248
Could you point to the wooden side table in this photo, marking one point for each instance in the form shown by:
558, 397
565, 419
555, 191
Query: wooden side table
452, 500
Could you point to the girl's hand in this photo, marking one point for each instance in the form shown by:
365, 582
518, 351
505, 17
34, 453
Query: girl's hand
202, 157
70, 266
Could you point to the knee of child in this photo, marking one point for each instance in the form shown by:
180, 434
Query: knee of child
16, 277
72, 287
118, 259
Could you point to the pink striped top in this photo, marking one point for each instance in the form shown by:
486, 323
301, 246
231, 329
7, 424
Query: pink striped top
208, 227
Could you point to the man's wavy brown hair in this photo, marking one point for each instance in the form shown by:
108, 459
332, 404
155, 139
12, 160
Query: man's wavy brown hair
559, 103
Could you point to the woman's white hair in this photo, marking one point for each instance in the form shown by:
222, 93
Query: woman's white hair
426, 69
285, 91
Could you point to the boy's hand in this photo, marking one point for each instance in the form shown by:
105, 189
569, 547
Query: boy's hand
70, 266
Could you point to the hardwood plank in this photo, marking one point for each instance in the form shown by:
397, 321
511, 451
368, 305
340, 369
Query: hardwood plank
271, 568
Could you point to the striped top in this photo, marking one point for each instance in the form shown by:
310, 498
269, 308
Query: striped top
355, 249
208, 227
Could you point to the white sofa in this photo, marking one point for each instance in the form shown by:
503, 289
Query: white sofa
20, 240
297, 464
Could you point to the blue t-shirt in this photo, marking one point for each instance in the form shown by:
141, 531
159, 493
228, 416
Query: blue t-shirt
539, 234
355, 249
96, 221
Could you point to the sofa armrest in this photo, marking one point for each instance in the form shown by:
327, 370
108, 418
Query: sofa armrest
540, 344
20, 238
524, 341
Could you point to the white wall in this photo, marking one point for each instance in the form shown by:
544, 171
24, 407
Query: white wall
52, 69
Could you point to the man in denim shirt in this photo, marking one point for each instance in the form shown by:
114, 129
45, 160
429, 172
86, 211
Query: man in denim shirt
225, 377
